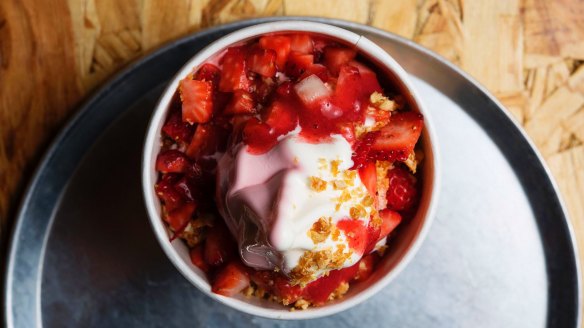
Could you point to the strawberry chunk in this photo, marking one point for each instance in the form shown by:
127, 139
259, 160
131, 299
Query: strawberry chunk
171, 161
288, 293
233, 74
280, 44
319, 290
242, 103
197, 258
281, 117
166, 192
231, 279
203, 142
298, 63
366, 266
197, 100
318, 70
209, 72
176, 129
347, 91
302, 43
262, 61
396, 140
390, 220
219, 245
180, 217
335, 57
368, 175
402, 192
356, 234
258, 136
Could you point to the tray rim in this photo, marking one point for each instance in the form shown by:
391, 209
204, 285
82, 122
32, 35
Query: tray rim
118, 78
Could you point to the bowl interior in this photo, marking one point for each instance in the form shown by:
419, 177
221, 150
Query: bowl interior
402, 247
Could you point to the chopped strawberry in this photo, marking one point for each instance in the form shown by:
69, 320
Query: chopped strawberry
280, 44
182, 186
209, 72
262, 61
264, 88
362, 149
335, 57
302, 43
356, 234
219, 245
347, 130
402, 192
166, 191
233, 74
197, 100
197, 258
318, 70
231, 279
298, 63
180, 217
391, 219
366, 266
171, 161
282, 117
369, 82
347, 91
263, 279
288, 293
242, 102
396, 140
203, 142
258, 136
176, 129
368, 175
319, 290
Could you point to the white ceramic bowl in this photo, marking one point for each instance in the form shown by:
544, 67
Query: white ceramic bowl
403, 247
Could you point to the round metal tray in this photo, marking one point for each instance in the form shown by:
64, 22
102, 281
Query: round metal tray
499, 254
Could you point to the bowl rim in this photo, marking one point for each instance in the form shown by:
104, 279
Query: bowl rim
363, 45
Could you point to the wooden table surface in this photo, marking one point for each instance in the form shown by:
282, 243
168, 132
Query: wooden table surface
528, 53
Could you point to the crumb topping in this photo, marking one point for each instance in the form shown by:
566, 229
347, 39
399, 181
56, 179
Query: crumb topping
380, 101
320, 230
317, 184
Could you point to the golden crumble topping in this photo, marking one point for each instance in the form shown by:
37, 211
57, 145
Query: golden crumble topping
380, 101
317, 184
357, 211
335, 167
381, 169
320, 230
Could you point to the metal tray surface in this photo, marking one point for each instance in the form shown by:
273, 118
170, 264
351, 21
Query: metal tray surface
500, 252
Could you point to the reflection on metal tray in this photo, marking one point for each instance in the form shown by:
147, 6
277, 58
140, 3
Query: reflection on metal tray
499, 254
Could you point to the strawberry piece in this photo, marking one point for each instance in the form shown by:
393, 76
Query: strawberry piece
347, 130
209, 72
373, 233
318, 70
365, 267
347, 92
176, 129
396, 140
280, 44
402, 192
281, 117
197, 100
233, 74
197, 258
362, 148
203, 142
262, 61
368, 175
302, 43
166, 192
335, 57
298, 63
288, 293
356, 234
171, 161
231, 279
242, 102
263, 89
319, 290
368, 82
184, 189
258, 136
220, 247
263, 279
391, 219
180, 217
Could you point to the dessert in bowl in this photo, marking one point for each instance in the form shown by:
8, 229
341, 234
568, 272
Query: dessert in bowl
290, 166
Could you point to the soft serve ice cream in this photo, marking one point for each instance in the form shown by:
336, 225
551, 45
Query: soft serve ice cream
284, 206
